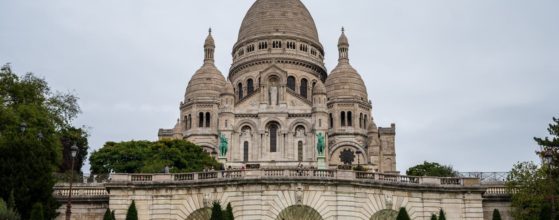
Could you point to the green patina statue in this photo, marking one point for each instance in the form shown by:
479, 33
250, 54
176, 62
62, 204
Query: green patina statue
222, 145
320, 144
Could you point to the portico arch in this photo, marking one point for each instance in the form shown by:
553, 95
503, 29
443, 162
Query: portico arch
200, 214
299, 212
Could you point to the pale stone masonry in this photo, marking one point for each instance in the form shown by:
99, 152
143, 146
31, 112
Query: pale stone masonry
278, 95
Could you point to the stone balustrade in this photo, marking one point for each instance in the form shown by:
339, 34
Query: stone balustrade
296, 174
81, 191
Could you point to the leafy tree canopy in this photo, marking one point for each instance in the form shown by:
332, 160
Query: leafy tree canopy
534, 185
217, 213
150, 157
431, 169
68, 137
31, 118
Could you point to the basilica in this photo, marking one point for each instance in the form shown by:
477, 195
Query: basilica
278, 97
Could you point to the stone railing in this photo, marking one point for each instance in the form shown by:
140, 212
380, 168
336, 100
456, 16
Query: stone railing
80, 191
295, 174
498, 191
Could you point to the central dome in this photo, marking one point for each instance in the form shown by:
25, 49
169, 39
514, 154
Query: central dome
281, 17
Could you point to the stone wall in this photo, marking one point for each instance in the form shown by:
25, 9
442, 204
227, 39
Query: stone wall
260, 195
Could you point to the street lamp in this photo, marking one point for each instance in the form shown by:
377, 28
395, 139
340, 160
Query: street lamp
74, 151
548, 159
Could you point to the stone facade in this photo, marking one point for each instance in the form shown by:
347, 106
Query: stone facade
278, 96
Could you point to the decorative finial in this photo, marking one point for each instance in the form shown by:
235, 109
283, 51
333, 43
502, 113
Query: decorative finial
210, 30
343, 29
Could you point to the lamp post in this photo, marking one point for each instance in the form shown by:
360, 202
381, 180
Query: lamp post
74, 151
548, 159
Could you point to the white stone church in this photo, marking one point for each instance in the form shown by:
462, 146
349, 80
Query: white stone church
278, 95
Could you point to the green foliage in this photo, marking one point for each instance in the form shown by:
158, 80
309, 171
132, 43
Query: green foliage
31, 117
433, 217
530, 185
113, 215
431, 169
12, 201
229, 212
68, 137
150, 157
132, 213
7, 213
442, 215
217, 213
496, 214
108, 215
403, 214
37, 212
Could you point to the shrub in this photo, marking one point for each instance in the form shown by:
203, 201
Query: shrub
132, 213
403, 214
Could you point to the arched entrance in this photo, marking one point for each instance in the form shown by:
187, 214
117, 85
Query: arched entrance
200, 214
385, 214
299, 212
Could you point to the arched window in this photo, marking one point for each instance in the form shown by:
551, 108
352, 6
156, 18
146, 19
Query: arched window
185, 121
303, 89
273, 137
240, 90
319, 123
331, 121
291, 83
300, 151
189, 121
201, 119
250, 86
245, 151
361, 120
208, 119
349, 119
342, 119
365, 122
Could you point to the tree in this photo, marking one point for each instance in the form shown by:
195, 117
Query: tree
132, 213
403, 214
113, 215
433, 217
37, 212
496, 214
108, 215
7, 213
229, 212
31, 116
533, 185
69, 137
431, 169
217, 213
150, 157
442, 215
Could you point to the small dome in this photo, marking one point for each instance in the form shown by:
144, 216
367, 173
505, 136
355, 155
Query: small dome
319, 89
343, 41
345, 82
287, 17
209, 41
207, 82
228, 89
372, 127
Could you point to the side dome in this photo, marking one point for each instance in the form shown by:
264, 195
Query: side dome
207, 82
283, 17
344, 81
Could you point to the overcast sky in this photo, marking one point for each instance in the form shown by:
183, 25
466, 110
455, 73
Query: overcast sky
468, 82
